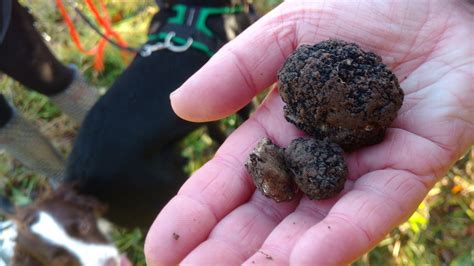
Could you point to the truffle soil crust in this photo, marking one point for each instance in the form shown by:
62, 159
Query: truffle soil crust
267, 166
334, 89
317, 167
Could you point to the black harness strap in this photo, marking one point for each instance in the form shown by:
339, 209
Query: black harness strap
189, 23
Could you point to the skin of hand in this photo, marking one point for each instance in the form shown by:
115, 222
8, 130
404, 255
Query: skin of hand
219, 218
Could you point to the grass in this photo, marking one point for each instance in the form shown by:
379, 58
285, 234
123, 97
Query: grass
440, 232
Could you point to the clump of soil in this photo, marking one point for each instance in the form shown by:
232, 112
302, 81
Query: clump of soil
318, 167
266, 164
336, 90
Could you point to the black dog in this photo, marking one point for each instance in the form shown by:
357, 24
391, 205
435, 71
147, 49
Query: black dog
126, 151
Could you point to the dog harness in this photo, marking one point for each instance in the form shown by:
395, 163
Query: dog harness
188, 29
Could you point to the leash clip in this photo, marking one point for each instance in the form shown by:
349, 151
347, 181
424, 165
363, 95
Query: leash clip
177, 48
148, 49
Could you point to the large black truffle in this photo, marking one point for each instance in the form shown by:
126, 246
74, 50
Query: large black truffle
336, 90
266, 164
318, 167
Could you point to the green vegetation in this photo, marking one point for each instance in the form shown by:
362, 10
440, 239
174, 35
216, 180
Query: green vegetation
440, 232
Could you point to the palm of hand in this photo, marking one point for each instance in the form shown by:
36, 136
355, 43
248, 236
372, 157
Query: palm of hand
219, 216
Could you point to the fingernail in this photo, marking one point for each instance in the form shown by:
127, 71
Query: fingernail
175, 93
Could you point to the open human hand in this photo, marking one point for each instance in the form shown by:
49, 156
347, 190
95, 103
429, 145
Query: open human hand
219, 218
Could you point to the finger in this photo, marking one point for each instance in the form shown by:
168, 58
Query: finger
236, 73
377, 202
209, 194
278, 246
241, 232
244, 230
215, 190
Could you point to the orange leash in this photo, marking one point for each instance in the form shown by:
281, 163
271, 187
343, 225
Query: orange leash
72, 29
104, 21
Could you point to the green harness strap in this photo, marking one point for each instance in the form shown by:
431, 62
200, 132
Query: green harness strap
199, 25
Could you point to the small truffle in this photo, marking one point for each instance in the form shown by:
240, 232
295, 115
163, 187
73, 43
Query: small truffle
318, 167
336, 90
266, 165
